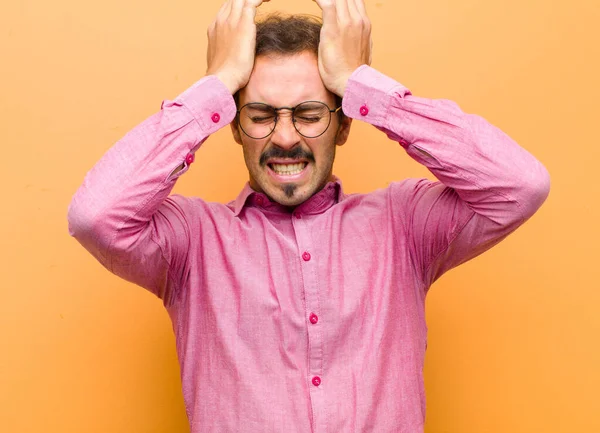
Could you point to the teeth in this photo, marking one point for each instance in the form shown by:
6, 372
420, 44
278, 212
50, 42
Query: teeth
288, 169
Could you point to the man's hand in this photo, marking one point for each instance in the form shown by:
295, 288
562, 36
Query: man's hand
345, 41
231, 43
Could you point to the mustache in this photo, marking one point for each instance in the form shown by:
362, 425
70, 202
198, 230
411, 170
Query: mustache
278, 152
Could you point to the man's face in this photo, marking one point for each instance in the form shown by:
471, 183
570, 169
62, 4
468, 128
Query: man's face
273, 162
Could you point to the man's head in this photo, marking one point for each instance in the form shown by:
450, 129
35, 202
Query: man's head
285, 74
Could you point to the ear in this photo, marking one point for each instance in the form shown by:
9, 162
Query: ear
235, 130
343, 131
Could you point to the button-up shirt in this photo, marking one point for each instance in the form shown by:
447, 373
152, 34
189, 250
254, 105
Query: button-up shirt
308, 319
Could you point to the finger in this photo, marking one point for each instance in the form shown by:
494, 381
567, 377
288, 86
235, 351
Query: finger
361, 8
236, 9
224, 11
255, 3
341, 7
249, 7
219, 16
353, 11
328, 9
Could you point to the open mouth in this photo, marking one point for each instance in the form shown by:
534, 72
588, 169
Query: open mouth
288, 169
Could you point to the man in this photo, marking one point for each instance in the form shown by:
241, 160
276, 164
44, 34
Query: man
297, 307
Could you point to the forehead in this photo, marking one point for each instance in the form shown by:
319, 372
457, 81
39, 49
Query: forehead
285, 81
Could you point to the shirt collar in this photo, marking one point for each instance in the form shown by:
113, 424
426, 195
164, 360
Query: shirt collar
331, 194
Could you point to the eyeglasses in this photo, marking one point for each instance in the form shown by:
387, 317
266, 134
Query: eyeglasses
311, 119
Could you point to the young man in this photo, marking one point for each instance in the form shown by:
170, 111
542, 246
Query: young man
296, 307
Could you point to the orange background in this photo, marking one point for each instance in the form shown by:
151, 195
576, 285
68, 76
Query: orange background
514, 334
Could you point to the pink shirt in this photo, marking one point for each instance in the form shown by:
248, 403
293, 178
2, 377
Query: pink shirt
311, 320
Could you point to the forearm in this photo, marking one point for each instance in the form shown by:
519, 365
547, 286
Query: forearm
494, 175
128, 184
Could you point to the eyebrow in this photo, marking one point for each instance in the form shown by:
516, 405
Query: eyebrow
262, 106
311, 106
259, 105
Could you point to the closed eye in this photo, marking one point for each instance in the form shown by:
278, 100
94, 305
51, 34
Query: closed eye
262, 119
308, 119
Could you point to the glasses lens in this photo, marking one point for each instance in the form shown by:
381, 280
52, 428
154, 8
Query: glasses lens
312, 119
257, 120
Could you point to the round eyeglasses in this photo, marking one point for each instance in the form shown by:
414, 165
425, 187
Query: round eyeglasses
311, 119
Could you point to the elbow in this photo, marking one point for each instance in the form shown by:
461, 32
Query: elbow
83, 224
89, 229
78, 220
536, 188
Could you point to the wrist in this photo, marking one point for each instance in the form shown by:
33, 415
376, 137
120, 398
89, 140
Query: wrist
227, 80
341, 85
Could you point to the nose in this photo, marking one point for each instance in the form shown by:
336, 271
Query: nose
285, 134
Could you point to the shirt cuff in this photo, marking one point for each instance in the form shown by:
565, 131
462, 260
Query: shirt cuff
369, 94
210, 102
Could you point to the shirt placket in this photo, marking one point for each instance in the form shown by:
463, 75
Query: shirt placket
313, 320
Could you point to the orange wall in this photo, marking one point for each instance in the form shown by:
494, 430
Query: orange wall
514, 334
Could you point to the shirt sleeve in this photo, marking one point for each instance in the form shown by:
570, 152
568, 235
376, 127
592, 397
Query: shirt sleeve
488, 185
122, 213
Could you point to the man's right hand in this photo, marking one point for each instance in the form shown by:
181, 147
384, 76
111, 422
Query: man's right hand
232, 42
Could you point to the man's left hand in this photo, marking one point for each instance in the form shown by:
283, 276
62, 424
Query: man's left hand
345, 41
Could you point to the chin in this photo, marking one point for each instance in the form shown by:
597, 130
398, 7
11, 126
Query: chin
289, 195
284, 201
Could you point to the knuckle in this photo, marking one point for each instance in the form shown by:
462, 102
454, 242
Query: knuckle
361, 24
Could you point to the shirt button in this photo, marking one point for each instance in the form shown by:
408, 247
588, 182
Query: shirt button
260, 200
306, 256
314, 319
216, 117
189, 158
364, 110
316, 381
298, 216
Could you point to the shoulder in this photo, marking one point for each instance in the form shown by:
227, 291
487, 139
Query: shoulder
404, 190
193, 208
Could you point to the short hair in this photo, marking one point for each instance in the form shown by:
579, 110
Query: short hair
287, 35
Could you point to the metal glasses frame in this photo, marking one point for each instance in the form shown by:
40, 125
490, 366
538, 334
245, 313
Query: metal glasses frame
292, 109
